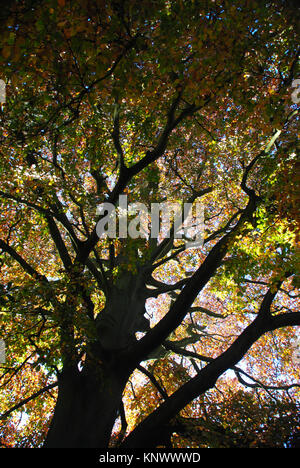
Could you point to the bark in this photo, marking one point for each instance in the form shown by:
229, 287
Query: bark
86, 409
89, 400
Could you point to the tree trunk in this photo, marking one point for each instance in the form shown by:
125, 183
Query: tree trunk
88, 401
86, 409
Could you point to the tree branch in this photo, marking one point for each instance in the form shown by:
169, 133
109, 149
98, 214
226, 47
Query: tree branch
24, 264
208, 376
58, 241
26, 400
185, 299
153, 380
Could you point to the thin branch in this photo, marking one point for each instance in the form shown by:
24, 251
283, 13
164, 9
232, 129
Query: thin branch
58, 241
153, 380
27, 400
24, 264
162, 288
206, 311
258, 384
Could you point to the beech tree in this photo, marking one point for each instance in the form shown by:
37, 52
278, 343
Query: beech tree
146, 342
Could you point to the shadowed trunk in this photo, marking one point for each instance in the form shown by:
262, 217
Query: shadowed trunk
86, 410
89, 401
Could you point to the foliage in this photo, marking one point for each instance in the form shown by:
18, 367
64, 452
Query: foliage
158, 100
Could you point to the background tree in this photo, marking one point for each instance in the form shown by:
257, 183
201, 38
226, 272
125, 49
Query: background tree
157, 100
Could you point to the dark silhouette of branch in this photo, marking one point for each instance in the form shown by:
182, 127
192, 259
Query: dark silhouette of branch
28, 399
153, 380
208, 376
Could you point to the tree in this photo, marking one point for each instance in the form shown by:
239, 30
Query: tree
156, 100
